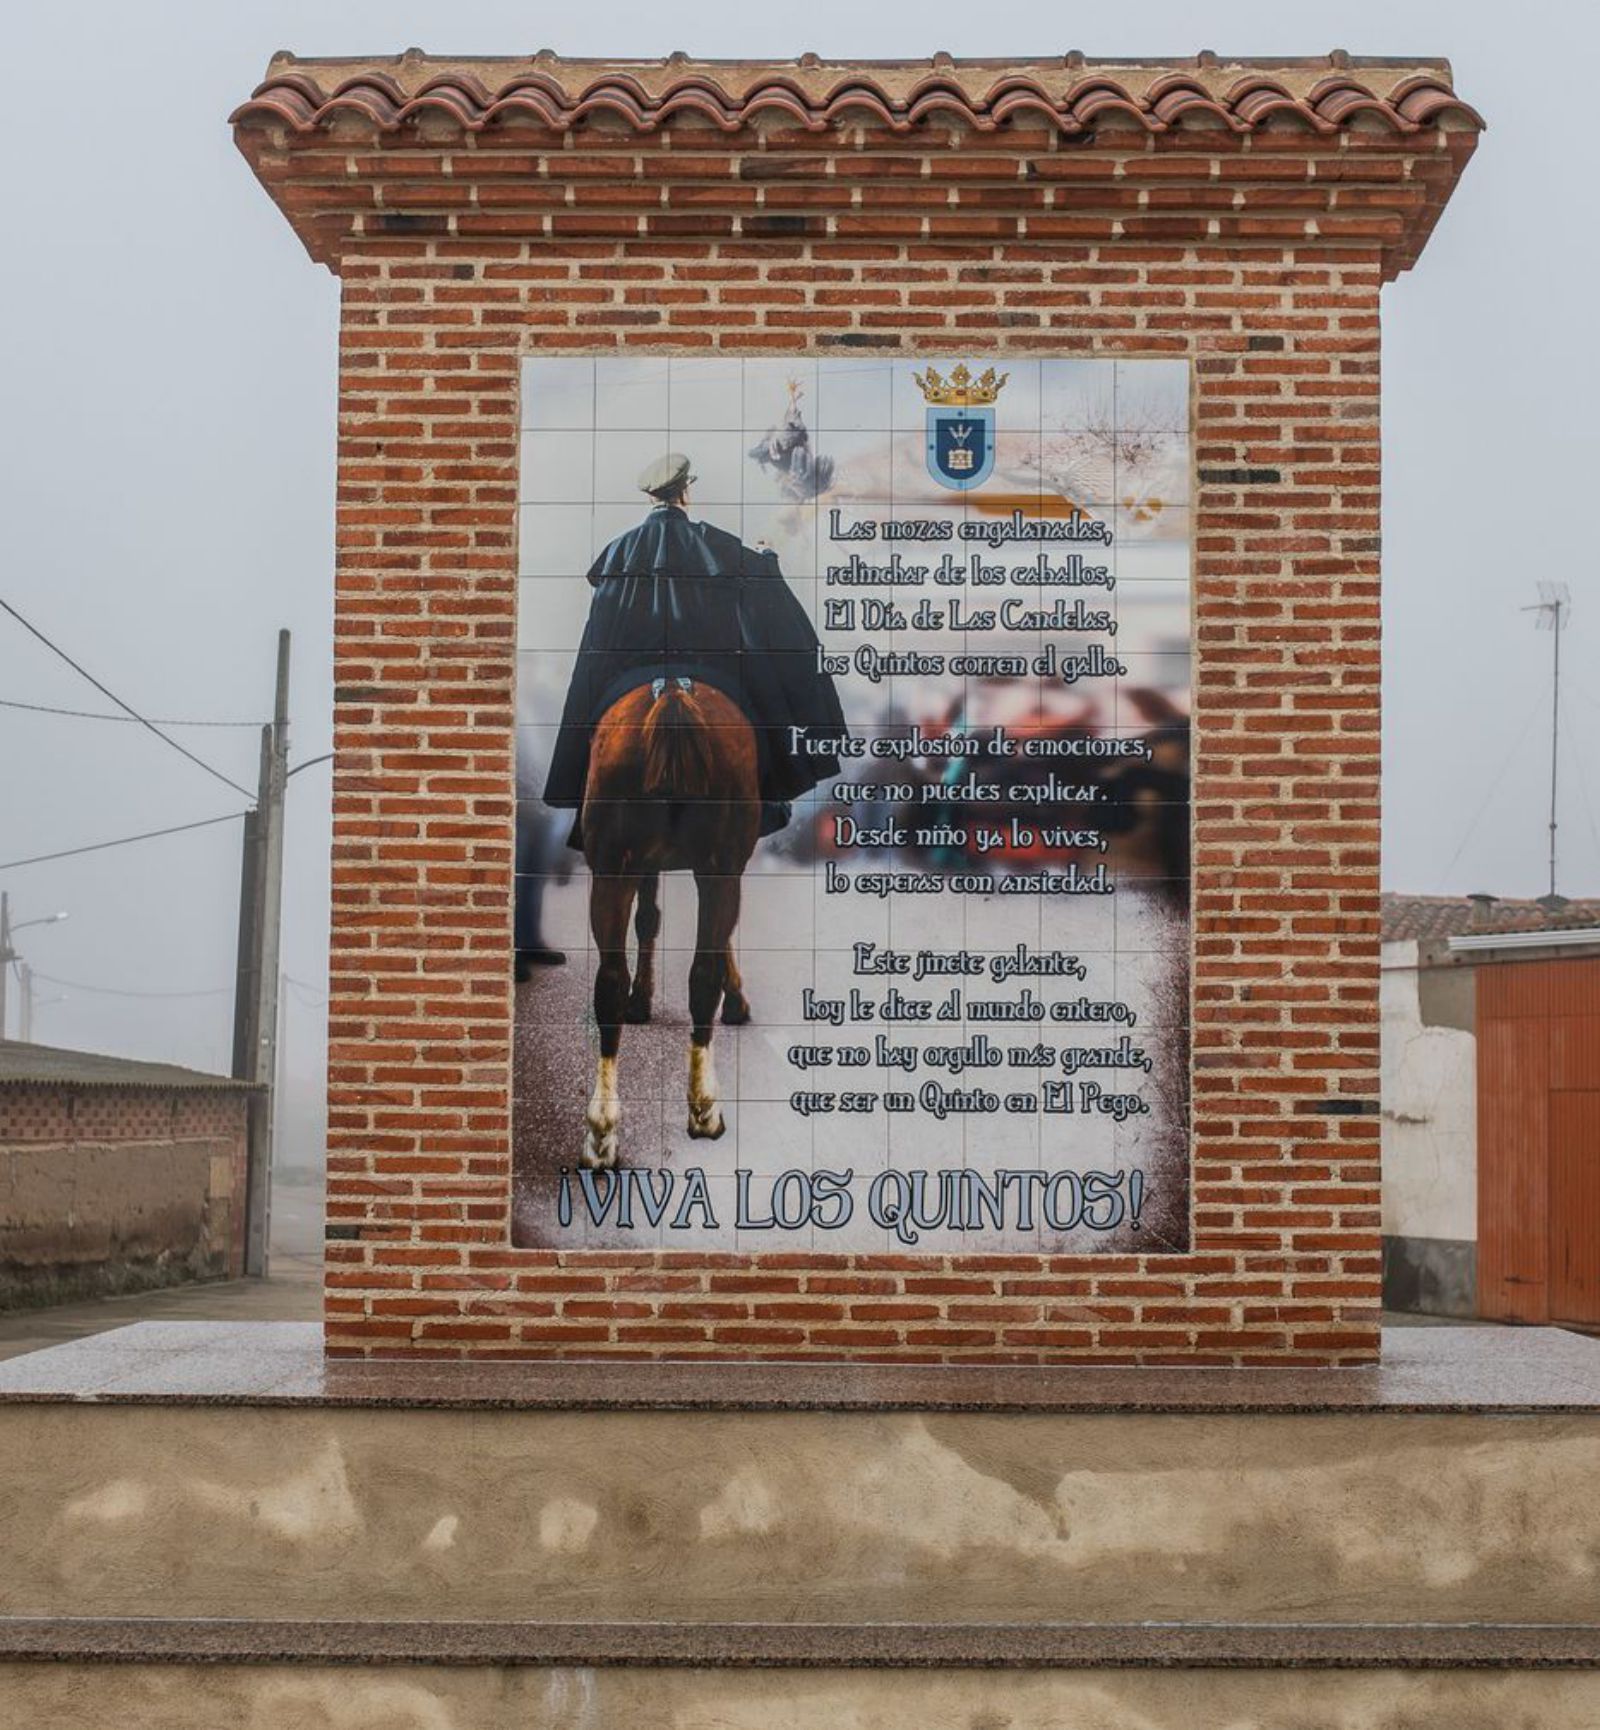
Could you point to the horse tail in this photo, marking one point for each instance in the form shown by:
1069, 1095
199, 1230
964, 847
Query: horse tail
678, 761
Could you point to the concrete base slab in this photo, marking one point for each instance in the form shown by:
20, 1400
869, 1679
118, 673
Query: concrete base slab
224, 1501
158, 1697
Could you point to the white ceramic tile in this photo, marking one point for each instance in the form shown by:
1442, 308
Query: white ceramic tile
1077, 394
556, 467
554, 540
621, 457
705, 394
1153, 393
558, 393
631, 392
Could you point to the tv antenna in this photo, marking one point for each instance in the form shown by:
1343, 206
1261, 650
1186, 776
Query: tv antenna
1553, 607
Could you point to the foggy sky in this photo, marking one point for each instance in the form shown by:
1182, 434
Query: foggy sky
167, 449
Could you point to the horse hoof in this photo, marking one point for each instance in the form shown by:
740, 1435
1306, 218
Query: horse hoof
706, 1125
637, 1012
735, 1011
599, 1150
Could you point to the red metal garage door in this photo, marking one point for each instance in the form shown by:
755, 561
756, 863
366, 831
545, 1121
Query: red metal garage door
1538, 1027
1575, 1207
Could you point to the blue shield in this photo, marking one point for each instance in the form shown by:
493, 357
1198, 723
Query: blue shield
960, 446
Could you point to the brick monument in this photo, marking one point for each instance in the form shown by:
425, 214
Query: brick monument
1233, 221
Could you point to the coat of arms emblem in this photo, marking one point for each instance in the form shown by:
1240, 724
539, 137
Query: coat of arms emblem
960, 425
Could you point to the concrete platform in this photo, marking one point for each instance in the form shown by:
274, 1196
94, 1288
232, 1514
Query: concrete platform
575, 1544
257, 1363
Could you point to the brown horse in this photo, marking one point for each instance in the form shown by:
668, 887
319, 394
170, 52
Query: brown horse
673, 786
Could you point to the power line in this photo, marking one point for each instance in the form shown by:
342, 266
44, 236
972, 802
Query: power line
121, 841
148, 834
1493, 788
106, 691
103, 715
113, 991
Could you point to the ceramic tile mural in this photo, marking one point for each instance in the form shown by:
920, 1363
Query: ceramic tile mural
853, 805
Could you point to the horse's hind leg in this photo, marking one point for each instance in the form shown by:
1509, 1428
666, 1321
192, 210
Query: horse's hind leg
719, 913
646, 927
735, 1005
610, 902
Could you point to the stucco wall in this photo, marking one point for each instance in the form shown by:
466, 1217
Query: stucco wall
1429, 1107
266, 1698
1430, 1162
897, 1517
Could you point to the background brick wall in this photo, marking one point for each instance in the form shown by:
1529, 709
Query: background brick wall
1259, 256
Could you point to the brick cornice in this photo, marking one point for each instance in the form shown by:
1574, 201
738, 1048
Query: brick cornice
355, 181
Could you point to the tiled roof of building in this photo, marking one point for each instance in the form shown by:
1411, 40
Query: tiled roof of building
27, 1065
1323, 95
1425, 918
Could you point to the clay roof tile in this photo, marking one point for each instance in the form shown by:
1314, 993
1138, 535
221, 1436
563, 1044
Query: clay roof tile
1067, 91
1432, 918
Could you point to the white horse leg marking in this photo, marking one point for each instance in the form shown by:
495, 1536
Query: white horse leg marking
705, 1115
605, 1113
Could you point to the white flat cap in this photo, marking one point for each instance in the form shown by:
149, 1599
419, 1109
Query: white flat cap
666, 474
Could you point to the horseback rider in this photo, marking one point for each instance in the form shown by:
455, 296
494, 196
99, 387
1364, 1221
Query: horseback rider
675, 598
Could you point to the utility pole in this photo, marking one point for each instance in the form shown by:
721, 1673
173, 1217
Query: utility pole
1555, 738
31, 1001
8, 954
280, 1073
1555, 602
5, 955
256, 987
244, 995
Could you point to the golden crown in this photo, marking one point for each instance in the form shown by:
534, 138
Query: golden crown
961, 389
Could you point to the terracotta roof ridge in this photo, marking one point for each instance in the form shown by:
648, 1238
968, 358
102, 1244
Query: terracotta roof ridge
1071, 60
1069, 91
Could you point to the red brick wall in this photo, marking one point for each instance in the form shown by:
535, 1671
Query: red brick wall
1258, 256
31, 1113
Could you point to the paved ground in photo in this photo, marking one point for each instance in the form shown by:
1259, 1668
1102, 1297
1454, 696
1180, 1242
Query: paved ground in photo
291, 1292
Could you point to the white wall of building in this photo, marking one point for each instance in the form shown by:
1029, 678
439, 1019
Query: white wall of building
1429, 1098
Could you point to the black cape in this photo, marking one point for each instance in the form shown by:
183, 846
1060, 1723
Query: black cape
675, 598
